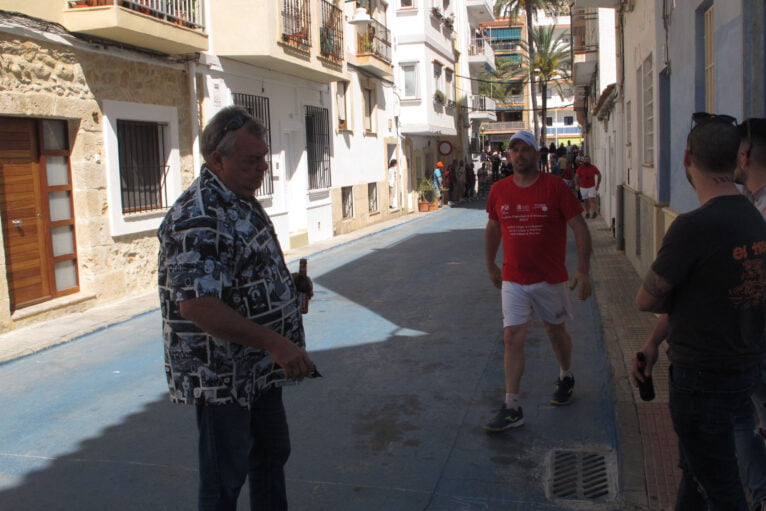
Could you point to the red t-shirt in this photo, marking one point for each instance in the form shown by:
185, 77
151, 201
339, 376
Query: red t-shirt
533, 223
587, 175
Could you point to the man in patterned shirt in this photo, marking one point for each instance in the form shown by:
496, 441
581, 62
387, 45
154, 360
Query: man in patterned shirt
232, 327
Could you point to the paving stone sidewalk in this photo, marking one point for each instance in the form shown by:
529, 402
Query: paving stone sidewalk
649, 455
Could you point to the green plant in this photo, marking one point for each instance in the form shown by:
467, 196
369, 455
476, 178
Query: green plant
426, 190
439, 96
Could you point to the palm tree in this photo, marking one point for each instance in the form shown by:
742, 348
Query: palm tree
511, 9
550, 64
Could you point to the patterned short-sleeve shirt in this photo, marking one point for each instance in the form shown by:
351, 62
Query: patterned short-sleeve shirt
214, 243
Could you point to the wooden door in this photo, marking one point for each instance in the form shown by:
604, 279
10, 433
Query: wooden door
23, 211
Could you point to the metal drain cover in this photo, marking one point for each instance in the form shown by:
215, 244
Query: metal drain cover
581, 476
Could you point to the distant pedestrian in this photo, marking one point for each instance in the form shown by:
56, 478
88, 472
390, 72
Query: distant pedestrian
751, 172
230, 342
708, 283
544, 159
587, 180
436, 178
529, 212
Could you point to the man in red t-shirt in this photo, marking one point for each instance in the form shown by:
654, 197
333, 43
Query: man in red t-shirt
529, 213
588, 178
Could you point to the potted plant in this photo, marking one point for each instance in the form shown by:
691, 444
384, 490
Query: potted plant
439, 97
426, 194
435, 12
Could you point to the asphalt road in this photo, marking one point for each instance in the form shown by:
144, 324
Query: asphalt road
406, 329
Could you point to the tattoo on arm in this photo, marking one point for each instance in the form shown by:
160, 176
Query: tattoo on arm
655, 285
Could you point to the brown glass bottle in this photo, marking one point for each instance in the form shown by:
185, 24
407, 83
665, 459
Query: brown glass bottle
646, 387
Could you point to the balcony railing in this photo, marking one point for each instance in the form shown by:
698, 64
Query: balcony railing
376, 40
504, 126
479, 46
296, 23
482, 103
506, 46
331, 32
186, 13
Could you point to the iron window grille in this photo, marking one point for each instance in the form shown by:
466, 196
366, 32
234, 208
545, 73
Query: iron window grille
318, 147
143, 169
331, 32
296, 23
347, 201
258, 107
372, 197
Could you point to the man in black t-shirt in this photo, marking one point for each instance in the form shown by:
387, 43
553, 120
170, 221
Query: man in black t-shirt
709, 278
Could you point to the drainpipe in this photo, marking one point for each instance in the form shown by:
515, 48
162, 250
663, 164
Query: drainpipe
191, 71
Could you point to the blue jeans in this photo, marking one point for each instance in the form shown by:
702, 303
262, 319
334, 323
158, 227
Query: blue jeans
751, 449
704, 407
235, 443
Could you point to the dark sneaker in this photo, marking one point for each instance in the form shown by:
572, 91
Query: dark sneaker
505, 418
563, 394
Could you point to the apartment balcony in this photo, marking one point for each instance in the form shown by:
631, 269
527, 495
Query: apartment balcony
373, 49
171, 27
305, 41
592, 4
503, 126
481, 56
585, 65
482, 109
479, 11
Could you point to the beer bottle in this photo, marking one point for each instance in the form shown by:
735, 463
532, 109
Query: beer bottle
646, 387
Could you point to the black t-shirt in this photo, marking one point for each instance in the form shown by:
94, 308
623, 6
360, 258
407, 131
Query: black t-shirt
715, 256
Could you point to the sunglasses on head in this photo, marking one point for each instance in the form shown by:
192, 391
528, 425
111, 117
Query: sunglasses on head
236, 122
703, 117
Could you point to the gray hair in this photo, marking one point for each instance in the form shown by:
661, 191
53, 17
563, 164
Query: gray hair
219, 134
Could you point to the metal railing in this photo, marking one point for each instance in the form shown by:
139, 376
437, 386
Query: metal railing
376, 40
143, 172
480, 46
296, 23
331, 32
318, 147
482, 103
185, 13
258, 107
504, 125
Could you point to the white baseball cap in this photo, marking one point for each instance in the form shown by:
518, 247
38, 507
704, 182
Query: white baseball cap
525, 137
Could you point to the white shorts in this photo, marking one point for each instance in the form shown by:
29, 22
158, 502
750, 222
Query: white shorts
588, 193
549, 302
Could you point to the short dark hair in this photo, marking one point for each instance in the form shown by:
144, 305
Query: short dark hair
752, 133
218, 134
713, 145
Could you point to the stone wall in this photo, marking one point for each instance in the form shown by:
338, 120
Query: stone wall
46, 80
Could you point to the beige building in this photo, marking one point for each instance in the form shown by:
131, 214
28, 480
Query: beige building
101, 108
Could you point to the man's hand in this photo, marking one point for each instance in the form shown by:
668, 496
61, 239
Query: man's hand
583, 281
304, 284
292, 359
496, 276
650, 353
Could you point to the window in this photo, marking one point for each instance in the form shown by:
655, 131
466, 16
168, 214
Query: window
347, 199
372, 197
450, 92
258, 107
318, 147
709, 62
368, 97
568, 120
648, 112
141, 147
628, 123
341, 98
142, 162
406, 4
410, 75
549, 121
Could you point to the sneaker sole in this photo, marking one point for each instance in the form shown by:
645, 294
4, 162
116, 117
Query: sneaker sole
509, 426
561, 403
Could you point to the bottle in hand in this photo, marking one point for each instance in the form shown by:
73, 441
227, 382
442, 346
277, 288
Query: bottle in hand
646, 387
303, 298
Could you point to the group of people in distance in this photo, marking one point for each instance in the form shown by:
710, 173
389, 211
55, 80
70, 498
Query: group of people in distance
243, 329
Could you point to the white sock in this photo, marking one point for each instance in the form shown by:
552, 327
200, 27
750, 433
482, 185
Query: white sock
512, 401
564, 374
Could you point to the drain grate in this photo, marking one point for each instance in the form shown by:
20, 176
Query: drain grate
580, 475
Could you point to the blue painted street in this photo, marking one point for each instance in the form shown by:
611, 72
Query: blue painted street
405, 326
